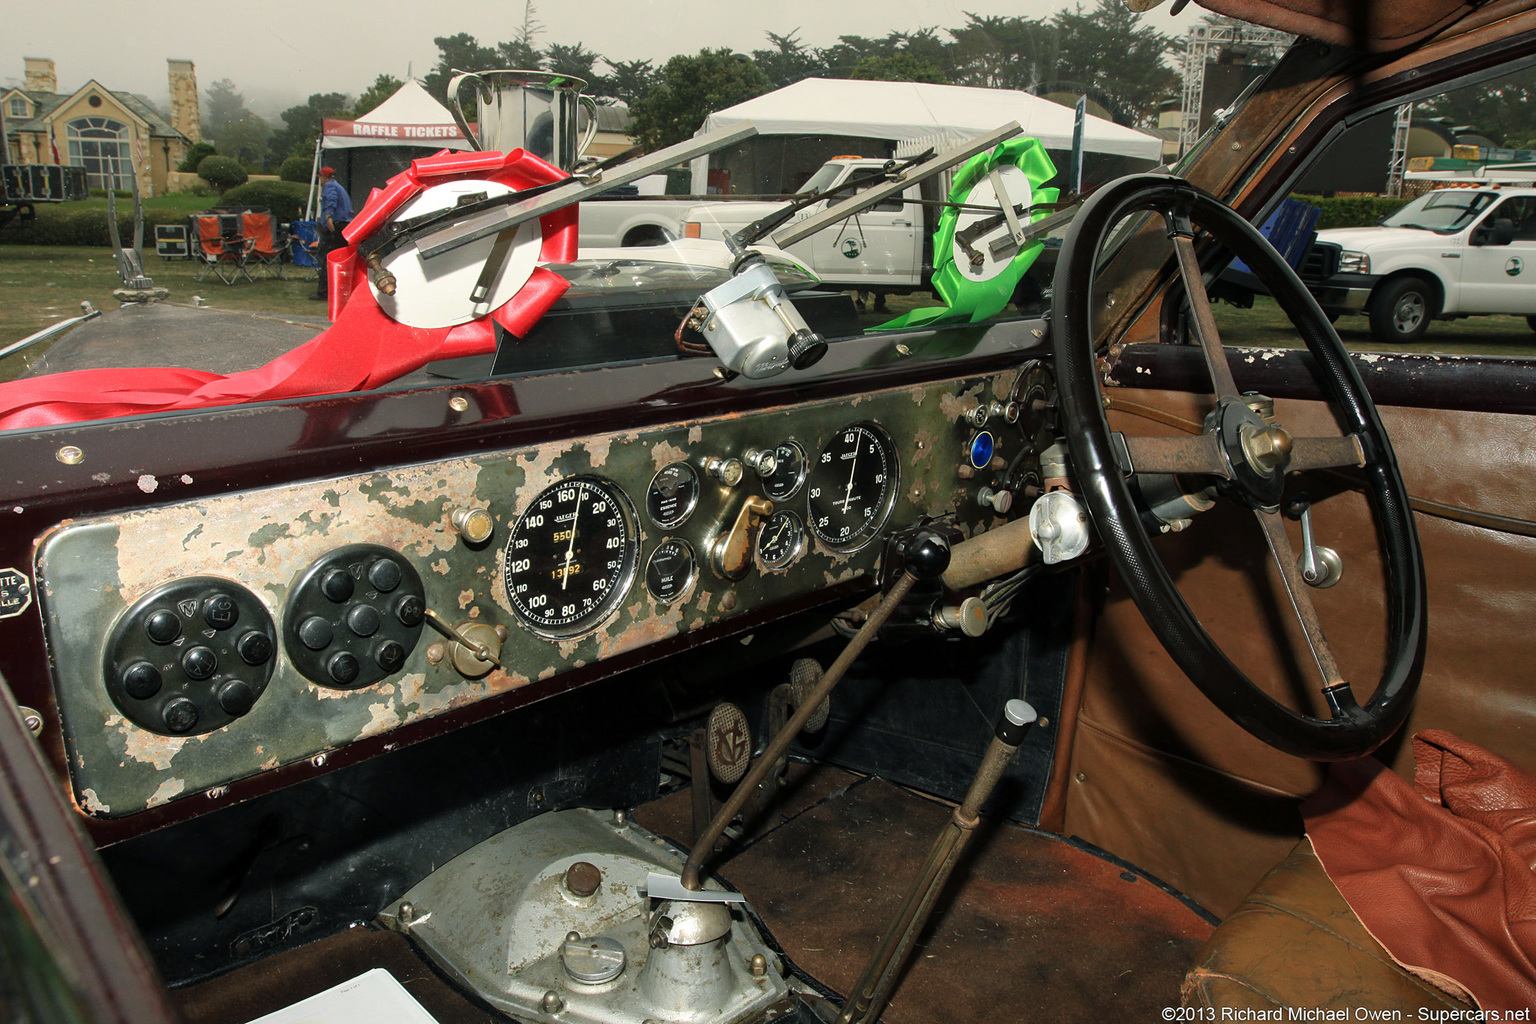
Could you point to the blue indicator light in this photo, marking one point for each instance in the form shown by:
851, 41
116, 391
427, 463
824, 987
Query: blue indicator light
982, 446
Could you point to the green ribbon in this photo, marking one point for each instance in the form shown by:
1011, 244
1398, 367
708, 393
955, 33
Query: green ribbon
965, 298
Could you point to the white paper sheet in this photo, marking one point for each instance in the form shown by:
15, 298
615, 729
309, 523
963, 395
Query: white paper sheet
375, 997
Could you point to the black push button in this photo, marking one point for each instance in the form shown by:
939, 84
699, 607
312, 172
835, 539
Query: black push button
336, 584
236, 697
363, 619
199, 662
342, 667
410, 610
162, 626
389, 656
220, 611
315, 632
255, 647
141, 680
385, 575
179, 715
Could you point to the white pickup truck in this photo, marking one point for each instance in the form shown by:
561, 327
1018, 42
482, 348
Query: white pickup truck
1451, 253
886, 249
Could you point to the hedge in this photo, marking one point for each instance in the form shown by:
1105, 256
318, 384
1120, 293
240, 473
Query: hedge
221, 172
296, 168
66, 226
1353, 211
284, 198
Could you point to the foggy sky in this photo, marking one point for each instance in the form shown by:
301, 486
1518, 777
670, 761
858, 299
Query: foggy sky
278, 52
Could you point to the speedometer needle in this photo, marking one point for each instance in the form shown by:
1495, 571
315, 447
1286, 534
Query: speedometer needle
848, 495
570, 547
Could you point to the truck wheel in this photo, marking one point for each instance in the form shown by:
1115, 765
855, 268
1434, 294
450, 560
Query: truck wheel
1401, 310
647, 236
1530, 322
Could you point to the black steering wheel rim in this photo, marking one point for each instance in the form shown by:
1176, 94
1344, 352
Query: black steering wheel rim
1354, 729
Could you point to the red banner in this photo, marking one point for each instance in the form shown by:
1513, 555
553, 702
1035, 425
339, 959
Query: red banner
413, 133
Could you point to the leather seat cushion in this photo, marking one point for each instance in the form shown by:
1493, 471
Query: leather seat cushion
1294, 942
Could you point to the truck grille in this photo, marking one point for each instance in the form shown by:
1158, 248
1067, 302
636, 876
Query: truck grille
1322, 260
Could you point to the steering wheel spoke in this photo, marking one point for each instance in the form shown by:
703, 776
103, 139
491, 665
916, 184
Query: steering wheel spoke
1251, 454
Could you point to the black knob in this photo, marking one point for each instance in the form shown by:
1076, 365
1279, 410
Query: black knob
254, 647
236, 697
199, 662
805, 348
410, 610
141, 680
179, 714
220, 611
315, 633
336, 585
385, 575
162, 626
927, 555
364, 620
342, 667
389, 656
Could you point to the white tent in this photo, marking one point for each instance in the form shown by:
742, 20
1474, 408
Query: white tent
894, 112
369, 151
411, 117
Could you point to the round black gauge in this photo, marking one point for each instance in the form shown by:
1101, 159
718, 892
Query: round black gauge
671, 570
673, 492
571, 557
781, 540
788, 472
852, 486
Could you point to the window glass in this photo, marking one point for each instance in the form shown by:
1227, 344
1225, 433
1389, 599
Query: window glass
100, 145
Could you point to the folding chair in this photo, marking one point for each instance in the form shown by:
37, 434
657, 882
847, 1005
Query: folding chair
265, 254
219, 245
304, 245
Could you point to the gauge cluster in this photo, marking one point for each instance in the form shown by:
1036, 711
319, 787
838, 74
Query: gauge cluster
388, 599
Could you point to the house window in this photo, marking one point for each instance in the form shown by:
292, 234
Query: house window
100, 145
18, 107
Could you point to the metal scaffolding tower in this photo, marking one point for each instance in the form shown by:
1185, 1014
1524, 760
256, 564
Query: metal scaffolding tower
1398, 162
1199, 45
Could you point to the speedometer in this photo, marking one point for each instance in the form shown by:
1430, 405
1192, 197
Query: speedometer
571, 557
852, 486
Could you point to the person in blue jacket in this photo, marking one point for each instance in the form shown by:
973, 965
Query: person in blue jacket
335, 214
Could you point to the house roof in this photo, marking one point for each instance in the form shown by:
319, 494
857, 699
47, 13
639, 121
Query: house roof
44, 104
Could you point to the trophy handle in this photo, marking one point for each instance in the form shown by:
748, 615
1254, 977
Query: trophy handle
458, 110
591, 106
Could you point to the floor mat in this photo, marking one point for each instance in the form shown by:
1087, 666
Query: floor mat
1031, 928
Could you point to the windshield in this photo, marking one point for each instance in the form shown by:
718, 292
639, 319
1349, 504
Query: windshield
822, 179
1444, 212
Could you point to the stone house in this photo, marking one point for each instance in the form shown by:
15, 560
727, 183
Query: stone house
115, 136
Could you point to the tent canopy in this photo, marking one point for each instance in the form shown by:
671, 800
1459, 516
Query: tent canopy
411, 117
897, 111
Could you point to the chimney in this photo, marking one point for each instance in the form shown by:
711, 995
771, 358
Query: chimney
185, 117
41, 76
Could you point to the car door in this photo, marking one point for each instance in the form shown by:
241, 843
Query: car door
875, 246
1502, 278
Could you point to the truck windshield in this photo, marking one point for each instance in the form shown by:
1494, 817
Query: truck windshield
822, 179
1443, 212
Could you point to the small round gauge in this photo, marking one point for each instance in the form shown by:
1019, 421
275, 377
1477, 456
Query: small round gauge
981, 448
571, 557
673, 493
671, 570
781, 540
788, 471
852, 486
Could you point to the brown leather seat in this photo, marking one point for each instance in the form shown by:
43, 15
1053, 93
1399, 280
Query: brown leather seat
1295, 942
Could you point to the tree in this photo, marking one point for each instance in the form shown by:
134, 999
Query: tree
902, 67
195, 154
631, 79
690, 89
1504, 109
1003, 53
577, 61
225, 104
458, 53
302, 124
521, 53
789, 60
245, 138
221, 172
1111, 49
382, 89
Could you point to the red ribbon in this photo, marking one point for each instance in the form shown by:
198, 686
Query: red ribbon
362, 349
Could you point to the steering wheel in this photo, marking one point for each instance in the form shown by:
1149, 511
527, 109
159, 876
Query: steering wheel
1250, 457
